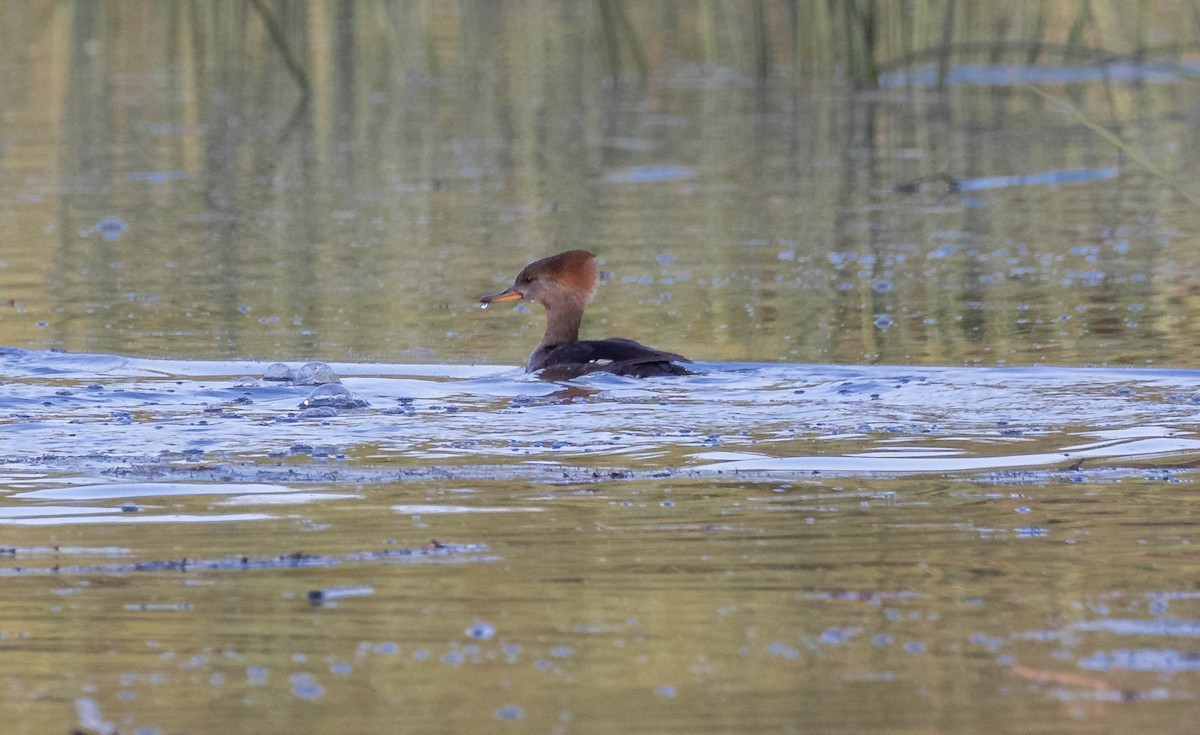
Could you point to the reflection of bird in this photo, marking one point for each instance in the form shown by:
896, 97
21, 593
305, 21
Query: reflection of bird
564, 284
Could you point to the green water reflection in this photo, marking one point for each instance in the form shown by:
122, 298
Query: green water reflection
440, 149
749, 607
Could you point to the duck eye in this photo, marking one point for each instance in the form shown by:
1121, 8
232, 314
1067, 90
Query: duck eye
526, 279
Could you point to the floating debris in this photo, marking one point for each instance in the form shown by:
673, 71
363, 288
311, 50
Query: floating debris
434, 549
941, 183
318, 412
320, 597
157, 607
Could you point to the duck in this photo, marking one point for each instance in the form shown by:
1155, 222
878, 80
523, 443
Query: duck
564, 284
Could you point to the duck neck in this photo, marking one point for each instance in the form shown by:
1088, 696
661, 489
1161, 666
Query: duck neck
562, 327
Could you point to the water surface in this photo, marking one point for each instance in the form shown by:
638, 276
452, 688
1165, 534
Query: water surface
934, 473
808, 538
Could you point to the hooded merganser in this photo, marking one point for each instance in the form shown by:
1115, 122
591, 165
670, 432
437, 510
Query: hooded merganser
564, 284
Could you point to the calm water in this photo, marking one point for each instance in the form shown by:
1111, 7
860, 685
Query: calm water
934, 475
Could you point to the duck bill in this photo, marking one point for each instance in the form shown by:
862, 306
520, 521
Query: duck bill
508, 294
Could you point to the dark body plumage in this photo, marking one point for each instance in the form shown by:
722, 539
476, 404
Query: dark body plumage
613, 355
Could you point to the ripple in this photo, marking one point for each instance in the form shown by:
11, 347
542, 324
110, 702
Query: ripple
146, 490
650, 174
1160, 627
189, 427
1165, 661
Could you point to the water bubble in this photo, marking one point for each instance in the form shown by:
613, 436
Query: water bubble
780, 649
666, 690
883, 321
315, 373
305, 687
333, 395
509, 712
836, 636
111, 227
993, 643
481, 630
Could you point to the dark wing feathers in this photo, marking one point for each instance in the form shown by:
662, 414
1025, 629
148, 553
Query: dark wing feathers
614, 355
